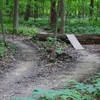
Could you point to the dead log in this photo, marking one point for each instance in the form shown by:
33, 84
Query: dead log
83, 38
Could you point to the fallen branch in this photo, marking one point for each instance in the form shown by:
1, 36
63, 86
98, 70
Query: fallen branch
83, 38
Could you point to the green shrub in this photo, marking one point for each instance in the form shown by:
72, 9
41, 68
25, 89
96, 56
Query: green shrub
26, 28
22, 30
50, 39
2, 50
6, 51
59, 50
27, 31
73, 26
82, 29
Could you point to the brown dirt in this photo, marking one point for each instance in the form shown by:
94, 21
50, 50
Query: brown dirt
29, 71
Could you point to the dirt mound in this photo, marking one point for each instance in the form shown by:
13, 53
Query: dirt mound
29, 71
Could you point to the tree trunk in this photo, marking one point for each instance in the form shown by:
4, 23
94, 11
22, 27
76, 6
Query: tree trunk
27, 14
63, 16
2, 27
53, 15
36, 14
92, 7
43, 5
16, 11
98, 8
7, 1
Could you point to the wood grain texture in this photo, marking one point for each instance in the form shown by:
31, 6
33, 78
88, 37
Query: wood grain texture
73, 40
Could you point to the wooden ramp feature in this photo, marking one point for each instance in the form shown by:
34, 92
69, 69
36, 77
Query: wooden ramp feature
73, 40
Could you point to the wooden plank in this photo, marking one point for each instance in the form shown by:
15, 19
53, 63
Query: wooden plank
73, 40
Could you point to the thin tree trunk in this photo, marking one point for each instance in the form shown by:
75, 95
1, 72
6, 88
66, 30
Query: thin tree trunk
36, 13
27, 14
53, 15
92, 7
43, 5
16, 11
7, 1
63, 16
2, 27
98, 8
58, 14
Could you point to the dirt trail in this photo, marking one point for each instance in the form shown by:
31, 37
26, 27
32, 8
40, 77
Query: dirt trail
24, 78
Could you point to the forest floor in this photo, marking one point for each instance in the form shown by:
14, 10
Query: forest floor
30, 70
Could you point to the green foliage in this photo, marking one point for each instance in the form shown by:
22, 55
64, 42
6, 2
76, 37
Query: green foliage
83, 26
42, 23
50, 39
82, 29
26, 31
20, 98
78, 17
30, 22
73, 26
6, 51
78, 20
22, 30
3, 49
89, 91
59, 50
54, 95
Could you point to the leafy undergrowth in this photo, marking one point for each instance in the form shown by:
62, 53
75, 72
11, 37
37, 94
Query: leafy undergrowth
6, 53
73, 26
87, 90
80, 29
24, 28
